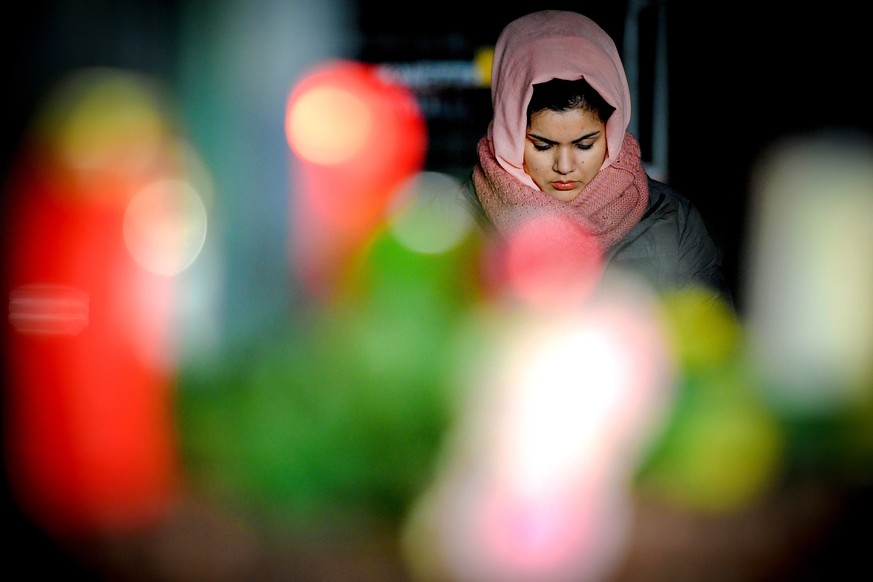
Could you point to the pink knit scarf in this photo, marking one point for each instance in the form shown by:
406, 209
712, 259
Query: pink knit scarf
608, 208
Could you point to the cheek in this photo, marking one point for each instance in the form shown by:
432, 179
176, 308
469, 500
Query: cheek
601, 154
536, 160
593, 160
533, 167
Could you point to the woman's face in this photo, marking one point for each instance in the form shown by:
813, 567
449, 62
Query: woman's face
564, 150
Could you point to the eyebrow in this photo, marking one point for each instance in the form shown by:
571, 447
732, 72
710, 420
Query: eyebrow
577, 140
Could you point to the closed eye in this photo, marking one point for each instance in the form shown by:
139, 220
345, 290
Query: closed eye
542, 144
542, 147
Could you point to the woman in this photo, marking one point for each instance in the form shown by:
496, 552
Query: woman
558, 143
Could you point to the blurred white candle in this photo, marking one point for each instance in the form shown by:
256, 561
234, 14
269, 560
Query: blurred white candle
536, 480
810, 273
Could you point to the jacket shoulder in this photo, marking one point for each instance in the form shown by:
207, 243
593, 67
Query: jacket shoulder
664, 197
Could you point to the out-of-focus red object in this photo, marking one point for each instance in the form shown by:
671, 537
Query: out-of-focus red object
358, 136
88, 414
89, 442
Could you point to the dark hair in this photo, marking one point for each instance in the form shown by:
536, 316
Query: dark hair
563, 95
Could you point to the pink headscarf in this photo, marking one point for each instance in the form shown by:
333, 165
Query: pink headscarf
533, 49
552, 44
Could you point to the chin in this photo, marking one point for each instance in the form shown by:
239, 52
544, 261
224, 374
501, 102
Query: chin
564, 195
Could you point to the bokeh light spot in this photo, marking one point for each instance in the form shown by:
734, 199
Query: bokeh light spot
104, 118
328, 125
551, 260
165, 226
427, 218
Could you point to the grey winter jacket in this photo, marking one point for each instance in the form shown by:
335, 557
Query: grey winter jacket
670, 247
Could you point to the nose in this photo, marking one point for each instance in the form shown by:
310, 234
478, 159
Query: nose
565, 161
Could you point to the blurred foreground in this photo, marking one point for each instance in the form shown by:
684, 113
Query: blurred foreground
424, 406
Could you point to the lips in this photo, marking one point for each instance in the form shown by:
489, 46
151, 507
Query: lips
564, 186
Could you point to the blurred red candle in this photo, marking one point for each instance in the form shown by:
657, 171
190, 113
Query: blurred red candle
358, 136
89, 437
